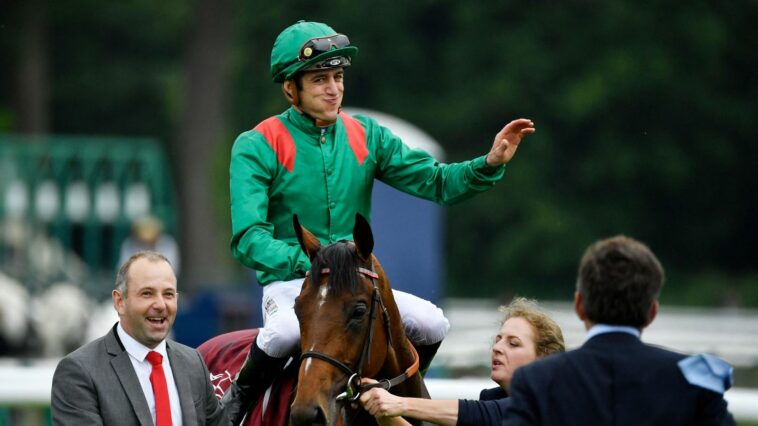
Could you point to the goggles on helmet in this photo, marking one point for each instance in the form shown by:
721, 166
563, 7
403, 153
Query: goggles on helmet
319, 45
337, 61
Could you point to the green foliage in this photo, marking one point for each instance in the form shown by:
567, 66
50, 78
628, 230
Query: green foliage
711, 288
645, 117
6, 118
115, 65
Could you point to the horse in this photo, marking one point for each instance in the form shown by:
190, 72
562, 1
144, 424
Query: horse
350, 328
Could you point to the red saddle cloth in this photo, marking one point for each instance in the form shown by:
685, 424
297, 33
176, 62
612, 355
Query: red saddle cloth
224, 356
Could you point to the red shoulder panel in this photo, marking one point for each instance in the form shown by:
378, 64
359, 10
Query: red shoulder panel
356, 137
279, 138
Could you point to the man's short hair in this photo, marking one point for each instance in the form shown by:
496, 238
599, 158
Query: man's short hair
122, 276
619, 280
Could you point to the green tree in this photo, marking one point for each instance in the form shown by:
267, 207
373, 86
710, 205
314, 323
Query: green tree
645, 116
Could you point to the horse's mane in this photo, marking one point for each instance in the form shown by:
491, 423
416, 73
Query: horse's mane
342, 261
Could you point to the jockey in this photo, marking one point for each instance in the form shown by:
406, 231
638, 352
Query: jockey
320, 163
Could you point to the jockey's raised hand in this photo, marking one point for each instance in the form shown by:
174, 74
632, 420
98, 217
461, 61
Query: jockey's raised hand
507, 141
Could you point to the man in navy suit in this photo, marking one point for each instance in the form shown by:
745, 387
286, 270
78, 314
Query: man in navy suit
614, 378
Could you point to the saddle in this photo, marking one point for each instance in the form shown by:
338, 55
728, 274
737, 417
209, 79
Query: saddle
224, 355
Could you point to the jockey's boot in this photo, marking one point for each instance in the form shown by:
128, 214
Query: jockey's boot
425, 355
255, 376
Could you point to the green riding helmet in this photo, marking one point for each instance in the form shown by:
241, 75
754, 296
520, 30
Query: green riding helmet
309, 46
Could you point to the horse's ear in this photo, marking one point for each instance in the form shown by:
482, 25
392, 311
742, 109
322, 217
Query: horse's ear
363, 237
308, 242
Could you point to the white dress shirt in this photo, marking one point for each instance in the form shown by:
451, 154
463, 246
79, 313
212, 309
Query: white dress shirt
137, 354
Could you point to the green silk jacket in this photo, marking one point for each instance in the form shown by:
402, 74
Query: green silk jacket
287, 165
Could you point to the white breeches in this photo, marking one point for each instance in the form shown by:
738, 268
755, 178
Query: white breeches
424, 322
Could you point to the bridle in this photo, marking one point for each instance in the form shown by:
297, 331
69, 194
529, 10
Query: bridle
354, 388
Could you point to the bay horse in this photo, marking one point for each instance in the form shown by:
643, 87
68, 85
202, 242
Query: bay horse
350, 328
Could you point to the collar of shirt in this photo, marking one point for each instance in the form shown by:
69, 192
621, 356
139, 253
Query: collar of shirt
137, 350
142, 367
605, 328
305, 124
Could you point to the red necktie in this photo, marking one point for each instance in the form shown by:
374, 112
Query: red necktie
160, 390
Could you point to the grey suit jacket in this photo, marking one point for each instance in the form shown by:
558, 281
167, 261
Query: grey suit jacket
97, 385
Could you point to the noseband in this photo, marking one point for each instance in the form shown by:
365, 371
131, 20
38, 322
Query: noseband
354, 388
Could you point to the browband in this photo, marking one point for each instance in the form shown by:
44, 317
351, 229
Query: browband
362, 271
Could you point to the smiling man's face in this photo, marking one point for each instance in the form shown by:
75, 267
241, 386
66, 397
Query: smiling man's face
148, 310
321, 94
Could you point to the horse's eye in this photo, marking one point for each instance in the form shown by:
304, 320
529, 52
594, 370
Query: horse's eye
359, 311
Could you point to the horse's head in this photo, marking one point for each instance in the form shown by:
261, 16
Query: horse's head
346, 313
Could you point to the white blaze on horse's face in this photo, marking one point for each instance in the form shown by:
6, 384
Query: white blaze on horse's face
322, 294
307, 364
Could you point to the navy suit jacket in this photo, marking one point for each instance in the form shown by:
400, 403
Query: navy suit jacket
613, 379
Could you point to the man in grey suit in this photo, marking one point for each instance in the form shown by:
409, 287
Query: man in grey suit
111, 381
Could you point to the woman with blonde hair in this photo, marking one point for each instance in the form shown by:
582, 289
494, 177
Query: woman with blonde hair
526, 333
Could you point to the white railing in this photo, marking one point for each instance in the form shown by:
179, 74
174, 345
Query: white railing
731, 334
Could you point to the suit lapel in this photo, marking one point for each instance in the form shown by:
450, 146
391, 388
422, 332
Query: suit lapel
124, 369
180, 364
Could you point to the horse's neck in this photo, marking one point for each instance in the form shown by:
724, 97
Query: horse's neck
400, 354
399, 357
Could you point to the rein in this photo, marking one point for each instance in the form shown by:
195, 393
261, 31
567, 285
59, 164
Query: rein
353, 388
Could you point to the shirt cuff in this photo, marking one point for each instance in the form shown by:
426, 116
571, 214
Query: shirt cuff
481, 168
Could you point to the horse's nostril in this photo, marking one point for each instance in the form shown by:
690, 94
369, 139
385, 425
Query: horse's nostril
307, 416
320, 419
